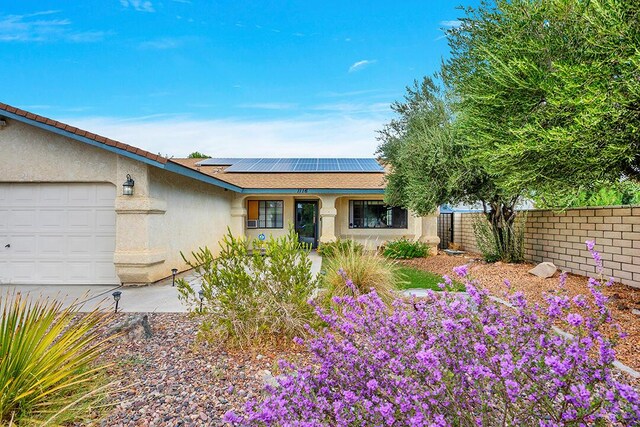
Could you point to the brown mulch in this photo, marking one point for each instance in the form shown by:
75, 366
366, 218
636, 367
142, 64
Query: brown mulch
622, 298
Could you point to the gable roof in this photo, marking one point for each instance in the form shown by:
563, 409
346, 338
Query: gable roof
289, 183
109, 144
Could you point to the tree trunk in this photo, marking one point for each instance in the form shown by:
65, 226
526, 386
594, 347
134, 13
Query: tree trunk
502, 217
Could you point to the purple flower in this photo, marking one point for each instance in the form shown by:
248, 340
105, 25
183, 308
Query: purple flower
574, 319
461, 270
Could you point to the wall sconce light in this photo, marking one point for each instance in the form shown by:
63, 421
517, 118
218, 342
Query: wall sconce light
174, 271
116, 298
3, 123
127, 187
201, 295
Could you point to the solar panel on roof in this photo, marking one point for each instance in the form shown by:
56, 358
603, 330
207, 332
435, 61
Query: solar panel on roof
304, 165
218, 161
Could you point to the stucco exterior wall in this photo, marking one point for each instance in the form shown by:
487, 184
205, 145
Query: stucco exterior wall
30, 154
196, 215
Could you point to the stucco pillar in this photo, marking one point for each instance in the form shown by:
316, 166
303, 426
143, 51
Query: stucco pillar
427, 230
138, 218
238, 217
328, 214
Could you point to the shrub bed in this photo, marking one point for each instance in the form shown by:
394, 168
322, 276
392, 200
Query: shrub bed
454, 361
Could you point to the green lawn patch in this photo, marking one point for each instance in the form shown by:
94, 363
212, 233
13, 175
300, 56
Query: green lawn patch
412, 278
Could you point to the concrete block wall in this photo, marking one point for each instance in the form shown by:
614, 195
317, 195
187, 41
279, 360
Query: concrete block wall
559, 237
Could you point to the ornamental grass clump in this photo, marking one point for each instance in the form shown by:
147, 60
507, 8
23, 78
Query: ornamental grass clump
366, 269
48, 362
450, 360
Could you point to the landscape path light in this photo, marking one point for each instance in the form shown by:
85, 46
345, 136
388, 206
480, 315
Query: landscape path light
174, 271
116, 298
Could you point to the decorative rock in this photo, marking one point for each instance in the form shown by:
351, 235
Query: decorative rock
544, 270
135, 327
635, 311
268, 379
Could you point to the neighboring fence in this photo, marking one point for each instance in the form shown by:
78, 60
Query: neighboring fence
559, 237
445, 229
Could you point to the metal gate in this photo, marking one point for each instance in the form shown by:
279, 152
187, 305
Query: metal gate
445, 229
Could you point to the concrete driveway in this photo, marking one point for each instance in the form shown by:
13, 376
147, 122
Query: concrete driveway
160, 297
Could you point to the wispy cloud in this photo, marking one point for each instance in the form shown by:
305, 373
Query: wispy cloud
43, 26
303, 136
270, 106
162, 43
455, 23
139, 5
357, 66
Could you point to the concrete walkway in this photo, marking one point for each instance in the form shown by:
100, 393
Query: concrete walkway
161, 297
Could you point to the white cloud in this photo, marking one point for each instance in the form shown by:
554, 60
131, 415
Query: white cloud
139, 5
357, 66
304, 136
42, 27
455, 23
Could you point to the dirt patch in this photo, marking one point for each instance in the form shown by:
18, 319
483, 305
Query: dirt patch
623, 299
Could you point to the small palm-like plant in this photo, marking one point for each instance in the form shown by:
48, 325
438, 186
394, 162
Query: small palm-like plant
48, 370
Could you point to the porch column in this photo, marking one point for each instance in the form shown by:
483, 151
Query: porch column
328, 214
137, 256
238, 216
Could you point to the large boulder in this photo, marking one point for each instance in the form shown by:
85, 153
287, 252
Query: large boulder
544, 270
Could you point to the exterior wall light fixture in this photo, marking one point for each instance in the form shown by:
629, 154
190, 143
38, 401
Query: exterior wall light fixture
127, 187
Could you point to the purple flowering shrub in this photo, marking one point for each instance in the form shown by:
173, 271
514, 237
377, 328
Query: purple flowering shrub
452, 360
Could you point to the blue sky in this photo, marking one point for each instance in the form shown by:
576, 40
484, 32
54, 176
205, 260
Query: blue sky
230, 78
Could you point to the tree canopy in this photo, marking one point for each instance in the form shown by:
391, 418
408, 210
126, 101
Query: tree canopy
197, 155
547, 92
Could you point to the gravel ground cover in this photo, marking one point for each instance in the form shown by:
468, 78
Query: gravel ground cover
623, 298
175, 379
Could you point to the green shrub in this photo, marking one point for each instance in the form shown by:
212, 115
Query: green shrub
367, 270
405, 249
330, 249
254, 292
48, 370
506, 244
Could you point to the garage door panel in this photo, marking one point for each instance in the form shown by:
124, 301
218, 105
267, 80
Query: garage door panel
105, 244
22, 218
59, 233
22, 245
81, 271
80, 219
103, 270
52, 218
52, 245
53, 195
105, 220
22, 271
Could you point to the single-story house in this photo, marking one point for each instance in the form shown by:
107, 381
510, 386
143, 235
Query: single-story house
80, 208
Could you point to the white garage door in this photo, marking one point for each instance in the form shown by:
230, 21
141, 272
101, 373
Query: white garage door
57, 234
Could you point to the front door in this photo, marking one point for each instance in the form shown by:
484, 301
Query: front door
307, 222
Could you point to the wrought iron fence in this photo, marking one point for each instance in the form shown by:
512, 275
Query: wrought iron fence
445, 229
